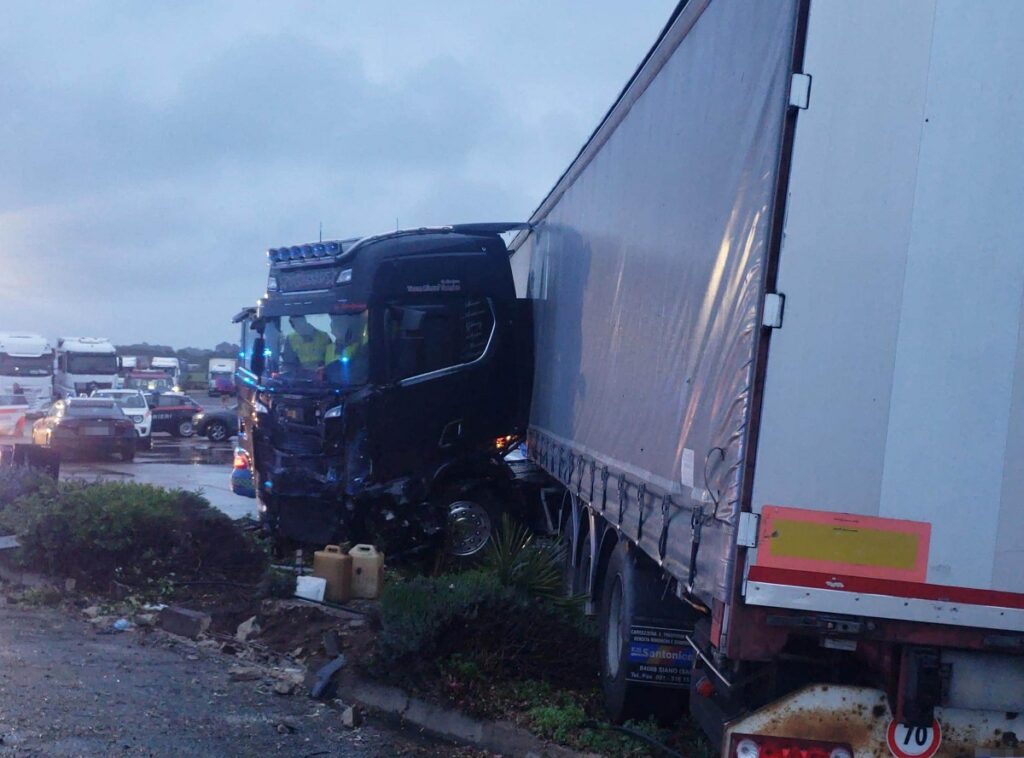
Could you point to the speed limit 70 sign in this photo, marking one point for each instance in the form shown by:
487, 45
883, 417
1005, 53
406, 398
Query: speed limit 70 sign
913, 741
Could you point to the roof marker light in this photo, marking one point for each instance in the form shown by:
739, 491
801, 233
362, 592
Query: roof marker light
318, 250
294, 253
307, 251
333, 248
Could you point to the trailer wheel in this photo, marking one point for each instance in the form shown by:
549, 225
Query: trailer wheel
628, 593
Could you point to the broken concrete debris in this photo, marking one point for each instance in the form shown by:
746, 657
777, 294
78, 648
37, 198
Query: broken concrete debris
351, 717
184, 622
246, 629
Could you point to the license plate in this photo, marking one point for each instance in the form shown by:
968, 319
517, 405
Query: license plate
95, 431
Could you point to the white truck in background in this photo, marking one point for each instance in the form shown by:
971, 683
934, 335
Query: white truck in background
26, 368
84, 364
171, 367
221, 376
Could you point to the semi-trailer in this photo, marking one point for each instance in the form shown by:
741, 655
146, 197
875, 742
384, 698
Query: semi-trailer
779, 373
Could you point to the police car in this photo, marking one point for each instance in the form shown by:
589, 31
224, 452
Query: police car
173, 412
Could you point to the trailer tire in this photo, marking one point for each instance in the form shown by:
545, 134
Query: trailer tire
628, 593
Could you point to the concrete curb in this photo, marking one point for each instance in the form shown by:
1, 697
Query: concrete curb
499, 737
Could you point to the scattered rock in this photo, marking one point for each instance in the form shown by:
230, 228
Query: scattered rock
356, 624
244, 674
146, 619
209, 645
285, 727
69, 585
351, 717
92, 611
184, 622
282, 687
246, 629
297, 652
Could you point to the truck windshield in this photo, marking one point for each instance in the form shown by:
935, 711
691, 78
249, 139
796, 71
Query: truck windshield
11, 365
327, 348
86, 363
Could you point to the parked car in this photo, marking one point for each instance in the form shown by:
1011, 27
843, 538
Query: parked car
133, 404
86, 425
218, 424
173, 412
13, 409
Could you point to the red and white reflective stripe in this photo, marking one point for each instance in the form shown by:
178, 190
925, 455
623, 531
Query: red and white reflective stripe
865, 585
885, 598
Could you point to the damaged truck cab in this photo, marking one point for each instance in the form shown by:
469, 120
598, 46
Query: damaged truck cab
379, 382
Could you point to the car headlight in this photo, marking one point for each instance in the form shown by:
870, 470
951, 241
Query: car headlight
137, 419
260, 407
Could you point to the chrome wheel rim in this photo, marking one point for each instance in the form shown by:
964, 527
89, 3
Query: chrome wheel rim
469, 528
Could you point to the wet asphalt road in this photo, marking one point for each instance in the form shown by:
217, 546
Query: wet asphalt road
67, 691
190, 464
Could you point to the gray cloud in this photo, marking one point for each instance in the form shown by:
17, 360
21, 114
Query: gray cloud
149, 153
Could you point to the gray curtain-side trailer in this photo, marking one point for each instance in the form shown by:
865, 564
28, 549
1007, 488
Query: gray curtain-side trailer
777, 304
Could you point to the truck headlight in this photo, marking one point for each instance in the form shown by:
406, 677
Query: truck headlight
334, 412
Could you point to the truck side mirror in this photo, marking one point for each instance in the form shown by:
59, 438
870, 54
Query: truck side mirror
257, 363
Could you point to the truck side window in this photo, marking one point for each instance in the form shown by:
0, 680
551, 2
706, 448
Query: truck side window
429, 336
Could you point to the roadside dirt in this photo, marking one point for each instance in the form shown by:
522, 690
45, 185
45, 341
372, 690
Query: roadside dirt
69, 688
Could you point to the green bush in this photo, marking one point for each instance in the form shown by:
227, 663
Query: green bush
19, 481
499, 630
133, 533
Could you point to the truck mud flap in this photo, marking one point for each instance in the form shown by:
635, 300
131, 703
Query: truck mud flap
659, 654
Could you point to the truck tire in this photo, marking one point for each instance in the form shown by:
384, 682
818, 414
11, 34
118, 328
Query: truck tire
473, 513
629, 593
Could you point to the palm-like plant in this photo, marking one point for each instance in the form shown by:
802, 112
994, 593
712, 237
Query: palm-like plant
518, 561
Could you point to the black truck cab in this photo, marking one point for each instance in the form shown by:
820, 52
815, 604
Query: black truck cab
380, 379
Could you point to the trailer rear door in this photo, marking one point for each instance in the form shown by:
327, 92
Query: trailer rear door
894, 389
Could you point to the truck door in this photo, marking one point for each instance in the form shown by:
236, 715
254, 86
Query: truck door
436, 354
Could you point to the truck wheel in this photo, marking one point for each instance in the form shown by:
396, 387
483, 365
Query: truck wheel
184, 429
217, 431
473, 514
629, 593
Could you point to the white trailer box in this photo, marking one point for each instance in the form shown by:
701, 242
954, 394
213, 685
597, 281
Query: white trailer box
779, 332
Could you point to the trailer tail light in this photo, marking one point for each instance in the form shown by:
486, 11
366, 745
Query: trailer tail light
241, 461
760, 746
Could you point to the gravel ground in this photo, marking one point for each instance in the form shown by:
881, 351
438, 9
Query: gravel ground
66, 690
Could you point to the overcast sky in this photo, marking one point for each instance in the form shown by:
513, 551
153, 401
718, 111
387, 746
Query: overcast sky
150, 151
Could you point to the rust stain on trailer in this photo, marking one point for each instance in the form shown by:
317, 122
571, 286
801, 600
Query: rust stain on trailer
858, 725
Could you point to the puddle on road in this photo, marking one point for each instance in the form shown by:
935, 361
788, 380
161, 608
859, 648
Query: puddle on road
187, 453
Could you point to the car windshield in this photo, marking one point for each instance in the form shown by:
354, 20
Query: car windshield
15, 365
318, 348
87, 363
94, 410
126, 400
